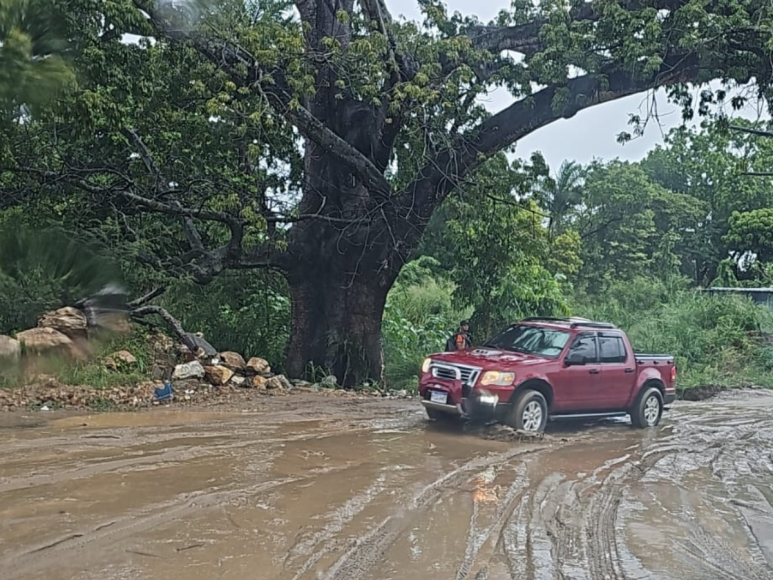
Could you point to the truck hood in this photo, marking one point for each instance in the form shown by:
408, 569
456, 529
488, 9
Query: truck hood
488, 358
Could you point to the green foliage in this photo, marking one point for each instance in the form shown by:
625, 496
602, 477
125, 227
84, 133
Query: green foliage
751, 232
494, 247
716, 339
246, 313
33, 52
707, 167
418, 319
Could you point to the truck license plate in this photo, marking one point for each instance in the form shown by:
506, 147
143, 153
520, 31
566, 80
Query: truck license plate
438, 397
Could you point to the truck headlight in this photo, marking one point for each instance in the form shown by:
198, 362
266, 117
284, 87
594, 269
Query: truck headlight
497, 378
425, 365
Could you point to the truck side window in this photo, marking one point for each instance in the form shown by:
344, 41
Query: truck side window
612, 349
585, 344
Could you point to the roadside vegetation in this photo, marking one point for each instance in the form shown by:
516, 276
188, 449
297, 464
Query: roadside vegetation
156, 165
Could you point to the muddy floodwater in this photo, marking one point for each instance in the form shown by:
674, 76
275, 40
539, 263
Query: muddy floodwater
323, 489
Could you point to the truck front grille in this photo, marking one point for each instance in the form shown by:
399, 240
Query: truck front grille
449, 371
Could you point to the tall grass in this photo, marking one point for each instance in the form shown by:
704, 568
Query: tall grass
418, 319
715, 339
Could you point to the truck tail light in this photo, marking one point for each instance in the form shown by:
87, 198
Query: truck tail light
673, 373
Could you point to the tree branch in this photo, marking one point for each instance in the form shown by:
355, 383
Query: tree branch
146, 298
402, 65
751, 131
312, 128
232, 57
189, 227
525, 38
175, 324
446, 170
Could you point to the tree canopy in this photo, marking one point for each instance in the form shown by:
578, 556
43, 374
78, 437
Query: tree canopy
318, 142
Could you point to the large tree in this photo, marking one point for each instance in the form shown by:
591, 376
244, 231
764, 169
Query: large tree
349, 125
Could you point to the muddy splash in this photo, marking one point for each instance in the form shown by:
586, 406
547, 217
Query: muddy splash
360, 490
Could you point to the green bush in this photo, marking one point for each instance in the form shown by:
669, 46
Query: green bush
246, 312
418, 319
715, 339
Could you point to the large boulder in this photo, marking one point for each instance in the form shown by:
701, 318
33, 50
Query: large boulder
259, 382
45, 340
9, 348
69, 321
218, 375
257, 366
189, 370
233, 361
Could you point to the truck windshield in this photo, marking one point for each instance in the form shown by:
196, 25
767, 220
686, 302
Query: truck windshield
534, 340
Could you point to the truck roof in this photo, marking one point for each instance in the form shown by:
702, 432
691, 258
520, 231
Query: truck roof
571, 322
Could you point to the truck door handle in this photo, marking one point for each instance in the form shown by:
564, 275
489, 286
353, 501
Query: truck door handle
594, 371
629, 370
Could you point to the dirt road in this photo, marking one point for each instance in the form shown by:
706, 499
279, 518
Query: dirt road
326, 489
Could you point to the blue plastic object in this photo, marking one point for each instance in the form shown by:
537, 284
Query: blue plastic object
165, 392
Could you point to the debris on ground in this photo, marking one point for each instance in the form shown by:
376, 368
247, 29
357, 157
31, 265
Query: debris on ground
701, 393
184, 370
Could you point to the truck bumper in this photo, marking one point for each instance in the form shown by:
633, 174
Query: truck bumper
450, 409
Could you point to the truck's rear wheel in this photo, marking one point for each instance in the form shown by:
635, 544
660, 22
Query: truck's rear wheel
529, 412
648, 408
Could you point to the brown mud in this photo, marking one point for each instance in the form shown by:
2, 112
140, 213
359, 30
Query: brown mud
307, 487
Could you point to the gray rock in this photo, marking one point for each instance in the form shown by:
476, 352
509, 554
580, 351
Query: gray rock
195, 342
190, 370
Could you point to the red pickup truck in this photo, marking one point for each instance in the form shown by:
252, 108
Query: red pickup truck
546, 368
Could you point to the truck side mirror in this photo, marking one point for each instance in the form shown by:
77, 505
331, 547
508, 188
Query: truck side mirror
574, 359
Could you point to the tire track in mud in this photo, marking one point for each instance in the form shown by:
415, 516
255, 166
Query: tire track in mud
477, 539
177, 454
369, 550
603, 549
326, 536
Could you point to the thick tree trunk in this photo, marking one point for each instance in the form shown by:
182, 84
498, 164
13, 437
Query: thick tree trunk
336, 328
342, 270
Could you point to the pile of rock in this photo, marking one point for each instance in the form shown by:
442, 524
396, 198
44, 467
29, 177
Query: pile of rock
230, 369
193, 366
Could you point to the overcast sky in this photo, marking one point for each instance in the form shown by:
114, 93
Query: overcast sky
591, 133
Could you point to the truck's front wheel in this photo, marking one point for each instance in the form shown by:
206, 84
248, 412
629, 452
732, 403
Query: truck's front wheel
648, 408
529, 412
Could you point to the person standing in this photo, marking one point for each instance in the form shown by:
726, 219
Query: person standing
461, 339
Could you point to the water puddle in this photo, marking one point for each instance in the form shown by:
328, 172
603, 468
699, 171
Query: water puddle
343, 496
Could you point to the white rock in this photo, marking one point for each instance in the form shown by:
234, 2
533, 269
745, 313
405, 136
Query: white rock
189, 370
